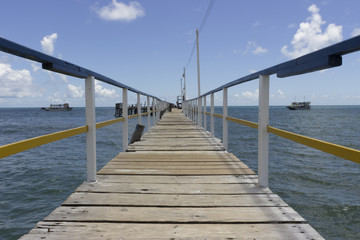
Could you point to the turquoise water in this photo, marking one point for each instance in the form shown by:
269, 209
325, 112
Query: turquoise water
324, 189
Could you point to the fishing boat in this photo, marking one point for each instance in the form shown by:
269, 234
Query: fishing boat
299, 106
58, 107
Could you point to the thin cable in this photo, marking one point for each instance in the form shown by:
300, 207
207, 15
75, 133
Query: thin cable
208, 11
192, 52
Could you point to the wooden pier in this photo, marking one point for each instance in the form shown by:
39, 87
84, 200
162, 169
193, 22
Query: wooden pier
176, 183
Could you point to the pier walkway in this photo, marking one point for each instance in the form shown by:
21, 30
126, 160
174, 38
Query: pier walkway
176, 183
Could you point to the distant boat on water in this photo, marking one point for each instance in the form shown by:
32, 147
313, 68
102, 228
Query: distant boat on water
58, 107
299, 106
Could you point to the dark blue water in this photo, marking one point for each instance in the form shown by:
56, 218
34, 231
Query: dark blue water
324, 189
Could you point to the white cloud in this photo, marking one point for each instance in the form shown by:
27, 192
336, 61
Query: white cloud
280, 93
256, 24
310, 37
120, 11
251, 95
75, 91
47, 43
16, 83
35, 66
100, 91
355, 32
254, 48
259, 50
78, 92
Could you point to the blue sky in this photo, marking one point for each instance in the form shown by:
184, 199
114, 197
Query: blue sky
146, 44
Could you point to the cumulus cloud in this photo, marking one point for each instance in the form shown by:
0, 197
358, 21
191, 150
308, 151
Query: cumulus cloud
16, 83
78, 92
254, 48
310, 37
100, 91
251, 95
280, 93
119, 11
75, 91
259, 50
355, 32
47, 43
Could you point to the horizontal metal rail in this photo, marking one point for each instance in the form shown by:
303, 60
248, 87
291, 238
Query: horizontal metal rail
331, 148
217, 115
319, 60
20, 146
243, 122
334, 149
57, 65
109, 122
12, 148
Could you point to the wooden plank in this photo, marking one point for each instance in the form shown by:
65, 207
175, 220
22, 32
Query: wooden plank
238, 179
177, 155
175, 148
161, 188
176, 214
92, 231
173, 140
173, 165
245, 171
175, 144
168, 200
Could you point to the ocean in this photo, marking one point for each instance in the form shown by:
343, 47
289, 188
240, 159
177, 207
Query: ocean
324, 189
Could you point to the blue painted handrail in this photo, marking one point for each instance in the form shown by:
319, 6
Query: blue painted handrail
57, 65
321, 59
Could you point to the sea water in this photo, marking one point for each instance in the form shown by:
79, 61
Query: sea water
324, 189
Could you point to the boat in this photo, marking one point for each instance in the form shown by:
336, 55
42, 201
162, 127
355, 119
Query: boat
299, 106
58, 107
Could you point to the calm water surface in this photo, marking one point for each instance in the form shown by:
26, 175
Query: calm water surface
324, 189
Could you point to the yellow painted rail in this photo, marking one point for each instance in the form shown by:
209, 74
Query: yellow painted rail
12, 148
218, 115
243, 122
109, 122
337, 150
331, 148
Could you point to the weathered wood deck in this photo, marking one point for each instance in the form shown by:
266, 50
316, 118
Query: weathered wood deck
177, 183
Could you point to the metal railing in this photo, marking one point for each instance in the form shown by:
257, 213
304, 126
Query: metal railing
322, 59
57, 65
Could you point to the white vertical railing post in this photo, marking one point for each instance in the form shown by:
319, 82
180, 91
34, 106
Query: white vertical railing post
91, 134
199, 111
157, 110
212, 128
148, 111
153, 110
125, 133
192, 110
263, 135
139, 108
205, 118
225, 114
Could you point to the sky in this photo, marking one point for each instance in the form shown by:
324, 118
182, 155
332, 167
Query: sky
147, 44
